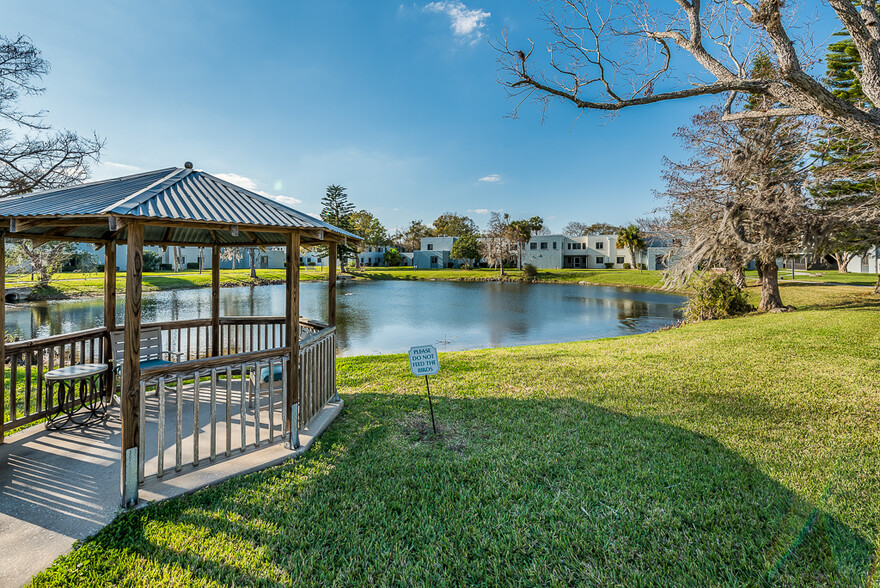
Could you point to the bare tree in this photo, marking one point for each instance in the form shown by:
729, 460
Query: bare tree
498, 240
618, 54
741, 196
32, 156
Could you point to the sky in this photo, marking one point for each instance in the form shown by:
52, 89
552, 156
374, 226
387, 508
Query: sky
397, 102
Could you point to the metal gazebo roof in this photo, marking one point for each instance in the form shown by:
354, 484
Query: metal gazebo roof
179, 206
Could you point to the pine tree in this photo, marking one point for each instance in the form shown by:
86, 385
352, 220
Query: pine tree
338, 211
846, 166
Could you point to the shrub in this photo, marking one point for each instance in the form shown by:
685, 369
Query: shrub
192, 265
626, 265
530, 271
163, 267
643, 266
152, 261
716, 297
609, 265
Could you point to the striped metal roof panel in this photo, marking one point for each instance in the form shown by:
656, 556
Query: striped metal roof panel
178, 194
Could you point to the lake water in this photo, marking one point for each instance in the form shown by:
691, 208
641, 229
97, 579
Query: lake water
392, 316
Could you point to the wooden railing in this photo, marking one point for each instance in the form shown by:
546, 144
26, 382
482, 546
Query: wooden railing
25, 399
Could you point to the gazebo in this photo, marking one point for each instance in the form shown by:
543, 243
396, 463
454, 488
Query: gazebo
287, 358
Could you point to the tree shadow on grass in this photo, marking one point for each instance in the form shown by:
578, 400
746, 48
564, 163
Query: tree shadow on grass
533, 492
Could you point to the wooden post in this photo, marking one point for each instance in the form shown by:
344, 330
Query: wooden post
215, 300
109, 312
131, 366
3, 338
291, 327
331, 286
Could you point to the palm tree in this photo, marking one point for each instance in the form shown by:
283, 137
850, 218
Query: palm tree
631, 238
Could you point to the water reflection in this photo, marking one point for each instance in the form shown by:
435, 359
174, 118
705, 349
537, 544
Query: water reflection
390, 317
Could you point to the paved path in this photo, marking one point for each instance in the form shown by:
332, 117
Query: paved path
57, 487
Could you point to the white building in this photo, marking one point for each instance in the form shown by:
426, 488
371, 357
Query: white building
866, 264
591, 252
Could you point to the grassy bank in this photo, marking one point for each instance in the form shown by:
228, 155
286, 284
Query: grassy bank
73, 285
738, 452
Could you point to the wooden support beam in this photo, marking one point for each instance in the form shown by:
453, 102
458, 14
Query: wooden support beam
131, 366
109, 311
3, 397
291, 329
331, 285
215, 300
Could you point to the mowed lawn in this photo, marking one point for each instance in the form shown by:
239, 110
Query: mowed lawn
737, 452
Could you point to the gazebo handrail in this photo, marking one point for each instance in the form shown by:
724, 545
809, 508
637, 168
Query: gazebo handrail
205, 365
40, 342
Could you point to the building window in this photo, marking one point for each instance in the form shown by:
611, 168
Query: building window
431, 247
569, 245
533, 245
433, 259
544, 245
599, 245
600, 260
554, 245
619, 259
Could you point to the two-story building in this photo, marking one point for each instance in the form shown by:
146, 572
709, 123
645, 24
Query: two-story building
591, 252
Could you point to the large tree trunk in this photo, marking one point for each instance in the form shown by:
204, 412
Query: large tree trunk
253, 254
770, 298
738, 276
760, 273
877, 286
842, 260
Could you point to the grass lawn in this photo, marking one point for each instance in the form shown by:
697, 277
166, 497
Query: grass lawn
79, 284
738, 452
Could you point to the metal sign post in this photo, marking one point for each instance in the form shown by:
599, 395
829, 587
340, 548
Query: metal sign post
423, 361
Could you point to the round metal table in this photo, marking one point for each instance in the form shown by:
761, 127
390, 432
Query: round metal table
87, 377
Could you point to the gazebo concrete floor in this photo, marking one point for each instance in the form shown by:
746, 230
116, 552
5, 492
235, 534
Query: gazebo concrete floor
57, 487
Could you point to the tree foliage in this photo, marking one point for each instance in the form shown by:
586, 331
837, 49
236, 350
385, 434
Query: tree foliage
337, 210
631, 238
452, 224
577, 229
467, 247
846, 164
410, 238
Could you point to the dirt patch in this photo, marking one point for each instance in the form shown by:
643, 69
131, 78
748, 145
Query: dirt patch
418, 430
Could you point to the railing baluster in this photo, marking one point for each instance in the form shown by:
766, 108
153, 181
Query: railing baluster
13, 388
178, 449
160, 389
40, 355
228, 411
258, 380
271, 400
142, 433
213, 414
27, 383
188, 343
285, 362
197, 384
243, 410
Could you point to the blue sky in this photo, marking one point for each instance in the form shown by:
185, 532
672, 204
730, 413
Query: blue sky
397, 102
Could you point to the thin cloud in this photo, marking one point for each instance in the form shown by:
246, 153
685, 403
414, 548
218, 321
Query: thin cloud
479, 210
249, 184
466, 23
123, 167
491, 179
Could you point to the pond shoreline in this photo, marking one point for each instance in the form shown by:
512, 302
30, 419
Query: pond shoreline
52, 293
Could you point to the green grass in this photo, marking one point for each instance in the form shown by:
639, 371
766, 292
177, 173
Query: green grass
739, 452
612, 277
69, 285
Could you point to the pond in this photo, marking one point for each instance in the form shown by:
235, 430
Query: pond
392, 316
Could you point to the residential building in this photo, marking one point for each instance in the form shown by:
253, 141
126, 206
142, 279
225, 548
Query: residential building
866, 264
591, 252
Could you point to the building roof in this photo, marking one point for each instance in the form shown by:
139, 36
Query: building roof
177, 205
